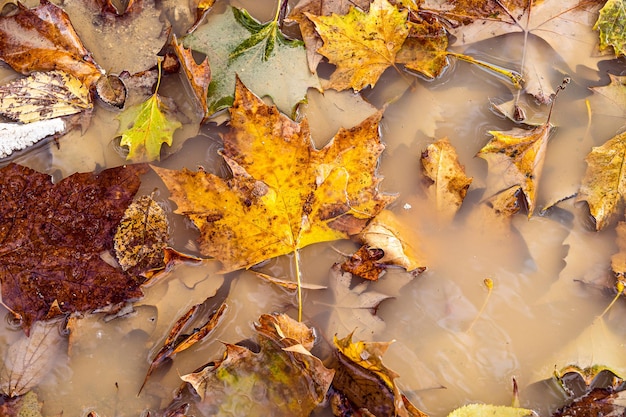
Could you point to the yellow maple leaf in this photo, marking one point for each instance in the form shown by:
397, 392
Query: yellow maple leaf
361, 45
604, 183
516, 157
284, 194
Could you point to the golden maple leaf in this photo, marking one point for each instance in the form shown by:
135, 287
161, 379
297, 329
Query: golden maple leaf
604, 184
361, 45
284, 194
516, 157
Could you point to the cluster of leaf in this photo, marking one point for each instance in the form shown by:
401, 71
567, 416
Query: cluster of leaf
283, 194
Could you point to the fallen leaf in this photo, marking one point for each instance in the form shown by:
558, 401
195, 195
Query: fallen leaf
515, 158
604, 184
363, 378
258, 53
448, 182
17, 136
613, 95
562, 26
42, 96
145, 127
111, 90
425, 49
618, 260
610, 24
311, 38
27, 405
52, 236
43, 39
177, 342
364, 263
361, 45
485, 410
141, 237
30, 359
284, 194
198, 75
282, 379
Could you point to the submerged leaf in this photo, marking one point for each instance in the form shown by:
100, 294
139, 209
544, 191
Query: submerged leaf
257, 53
53, 234
284, 194
42, 96
604, 184
362, 45
282, 379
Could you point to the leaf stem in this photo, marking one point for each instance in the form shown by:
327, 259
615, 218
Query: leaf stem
620, 290
159, 64
514, 76
299, 283
489, 284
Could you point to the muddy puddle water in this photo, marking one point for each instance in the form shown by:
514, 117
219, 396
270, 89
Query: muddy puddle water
550, 272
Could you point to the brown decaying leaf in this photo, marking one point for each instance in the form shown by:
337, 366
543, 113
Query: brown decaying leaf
198, 75
177, 342
43, 39
448, 182
618, 260
51, 237
365, 263
29, 360
27, 405
142, 236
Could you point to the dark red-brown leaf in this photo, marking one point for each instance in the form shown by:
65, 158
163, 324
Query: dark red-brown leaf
52, 235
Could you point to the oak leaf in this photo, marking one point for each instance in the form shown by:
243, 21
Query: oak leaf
43, 96
516, 157
52, 236
259, 54
363, 378
284, 194
362, 45
448, 182
604, 183
611, 22
43, 39
282, 379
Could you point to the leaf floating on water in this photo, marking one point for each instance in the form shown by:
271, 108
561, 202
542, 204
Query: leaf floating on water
43, 96
604, 183
363, 378
17, 136
27, 405
259, 54
198, 75
30, 359
488, 410
611, 23
142, 236
53, 235
282, 379
43, 39
449, 183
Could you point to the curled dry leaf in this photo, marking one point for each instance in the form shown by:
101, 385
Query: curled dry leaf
142, 236
366, 382
43, 96
43, 39
28, 360
448, 182
604, 183
329, 193
52, 236
282, 379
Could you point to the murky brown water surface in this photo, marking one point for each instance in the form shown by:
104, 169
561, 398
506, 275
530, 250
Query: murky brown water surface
539, 316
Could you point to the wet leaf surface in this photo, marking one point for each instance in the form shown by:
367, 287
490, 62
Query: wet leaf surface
610, 24
52, 236
272, 205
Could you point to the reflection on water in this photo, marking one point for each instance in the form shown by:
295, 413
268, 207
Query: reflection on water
547, 270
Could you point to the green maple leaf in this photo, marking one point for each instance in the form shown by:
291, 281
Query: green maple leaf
145, 127
612, 26
266, 61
